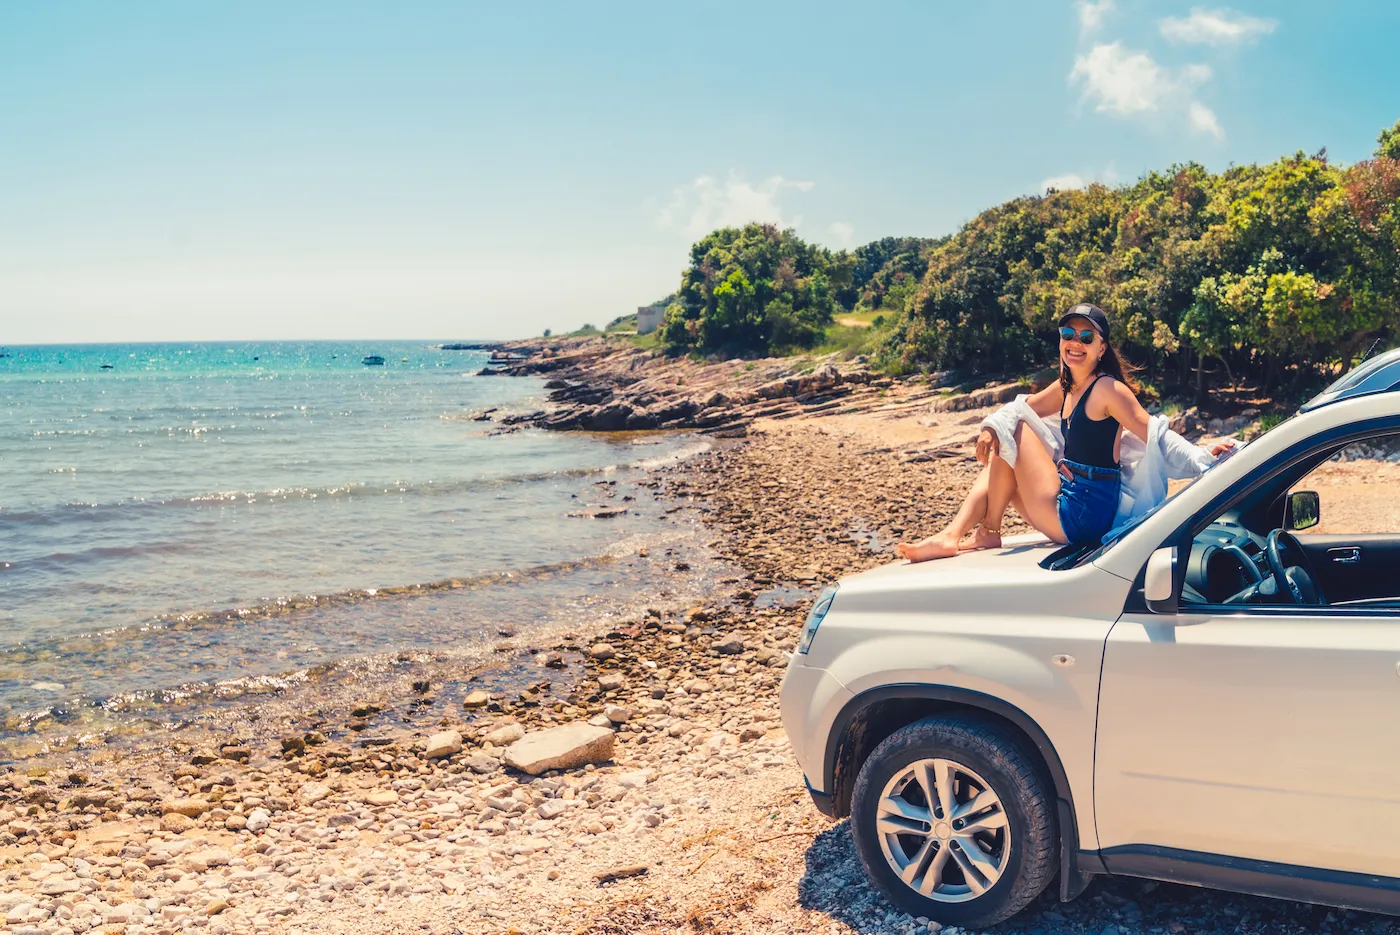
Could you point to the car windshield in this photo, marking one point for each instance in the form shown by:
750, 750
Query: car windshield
1378, 374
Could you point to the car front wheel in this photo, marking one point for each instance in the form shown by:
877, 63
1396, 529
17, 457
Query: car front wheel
953, 822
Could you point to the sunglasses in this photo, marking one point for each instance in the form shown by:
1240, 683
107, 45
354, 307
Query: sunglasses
1083, 337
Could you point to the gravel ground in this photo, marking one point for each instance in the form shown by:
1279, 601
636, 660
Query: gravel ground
700, 812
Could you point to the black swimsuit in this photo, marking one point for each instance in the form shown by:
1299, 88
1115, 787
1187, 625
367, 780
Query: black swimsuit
1089, 489
1087, 440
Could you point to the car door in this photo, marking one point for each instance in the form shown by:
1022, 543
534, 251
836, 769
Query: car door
1355, 546
1355, 566
1269, 733
1263, 731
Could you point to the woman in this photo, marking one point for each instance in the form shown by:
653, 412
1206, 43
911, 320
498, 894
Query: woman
1074, 501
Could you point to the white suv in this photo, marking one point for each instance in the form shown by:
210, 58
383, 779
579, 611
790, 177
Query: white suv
1207, 698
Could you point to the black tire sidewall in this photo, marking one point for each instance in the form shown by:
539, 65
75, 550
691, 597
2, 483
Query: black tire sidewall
959, 741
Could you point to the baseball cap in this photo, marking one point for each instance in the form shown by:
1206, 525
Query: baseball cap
1091, 312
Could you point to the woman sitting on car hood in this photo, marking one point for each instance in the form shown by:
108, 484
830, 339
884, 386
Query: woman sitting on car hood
1076, 492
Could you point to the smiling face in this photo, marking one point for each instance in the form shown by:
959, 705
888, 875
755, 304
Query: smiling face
1076, 355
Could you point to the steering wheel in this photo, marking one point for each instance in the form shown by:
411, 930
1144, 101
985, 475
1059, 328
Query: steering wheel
1298, 582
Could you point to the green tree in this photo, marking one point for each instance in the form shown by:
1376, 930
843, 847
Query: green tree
754, 289
1388, 143
875, 266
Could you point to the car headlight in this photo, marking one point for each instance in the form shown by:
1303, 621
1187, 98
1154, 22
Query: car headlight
814, 617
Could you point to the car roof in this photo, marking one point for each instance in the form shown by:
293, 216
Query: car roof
1380, 374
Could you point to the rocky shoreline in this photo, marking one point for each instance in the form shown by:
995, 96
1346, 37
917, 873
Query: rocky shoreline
640, 782
604, 387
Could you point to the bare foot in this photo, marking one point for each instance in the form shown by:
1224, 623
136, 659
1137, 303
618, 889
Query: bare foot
933, 547
979, 538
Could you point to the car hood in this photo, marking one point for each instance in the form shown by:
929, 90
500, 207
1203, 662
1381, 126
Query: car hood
989, 580
1019, 556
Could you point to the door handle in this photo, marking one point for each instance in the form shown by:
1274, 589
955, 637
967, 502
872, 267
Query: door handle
1348, 555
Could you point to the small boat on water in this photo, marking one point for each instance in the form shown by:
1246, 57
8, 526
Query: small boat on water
373, 360
106, 367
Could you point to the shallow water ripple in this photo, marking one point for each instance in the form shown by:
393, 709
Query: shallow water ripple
201, 523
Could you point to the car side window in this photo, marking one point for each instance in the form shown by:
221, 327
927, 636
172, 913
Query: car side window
1315, 562
1356, 489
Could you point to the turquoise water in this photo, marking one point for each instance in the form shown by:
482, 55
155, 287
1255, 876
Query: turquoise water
202, 515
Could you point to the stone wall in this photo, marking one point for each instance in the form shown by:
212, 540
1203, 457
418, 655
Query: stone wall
649, 319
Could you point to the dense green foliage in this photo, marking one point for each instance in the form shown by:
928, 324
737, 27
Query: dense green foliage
755, 290
885, 273
762, 290
1388, 143
1277, 272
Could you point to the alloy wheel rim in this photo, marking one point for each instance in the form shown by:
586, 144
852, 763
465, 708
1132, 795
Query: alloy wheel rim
943, 830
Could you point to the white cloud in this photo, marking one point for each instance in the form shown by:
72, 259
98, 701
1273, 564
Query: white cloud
1202, 120
841, 233
1063, 183
1122, 82
1216, 27
1126, 83
1092, 15
707, 203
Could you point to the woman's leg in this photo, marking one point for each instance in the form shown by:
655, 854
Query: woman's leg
994, 488
1001, 490
1037, 487
1031, 487
945, 542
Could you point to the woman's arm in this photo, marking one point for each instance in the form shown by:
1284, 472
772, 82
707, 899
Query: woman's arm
1044, 403
1124, 407
1048, 401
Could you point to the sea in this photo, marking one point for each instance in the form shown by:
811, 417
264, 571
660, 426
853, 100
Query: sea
183, 526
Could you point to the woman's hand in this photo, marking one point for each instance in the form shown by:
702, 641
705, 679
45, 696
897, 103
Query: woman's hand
1222, 446
987, 445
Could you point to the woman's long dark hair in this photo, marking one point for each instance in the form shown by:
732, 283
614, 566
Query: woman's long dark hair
1110, 364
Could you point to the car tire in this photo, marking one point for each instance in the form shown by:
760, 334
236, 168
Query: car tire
961, 761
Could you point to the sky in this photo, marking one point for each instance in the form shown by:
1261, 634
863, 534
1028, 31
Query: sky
260, 170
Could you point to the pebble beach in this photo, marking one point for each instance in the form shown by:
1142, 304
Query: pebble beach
628, 777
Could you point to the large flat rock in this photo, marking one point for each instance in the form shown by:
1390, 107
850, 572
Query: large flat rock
978, 399
565, 747
443, 744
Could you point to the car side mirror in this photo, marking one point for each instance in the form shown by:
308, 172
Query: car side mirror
1159, 581
1303, 510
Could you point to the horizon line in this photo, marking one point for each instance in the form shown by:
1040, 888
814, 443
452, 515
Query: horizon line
265, 341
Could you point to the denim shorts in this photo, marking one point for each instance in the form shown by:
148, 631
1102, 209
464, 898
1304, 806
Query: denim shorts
1087, 504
